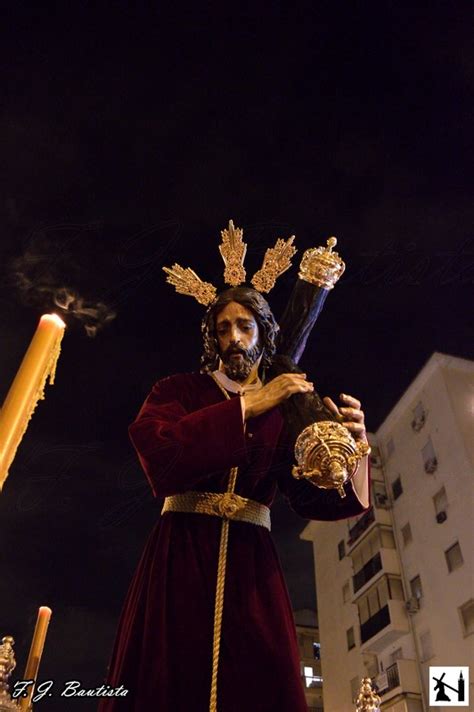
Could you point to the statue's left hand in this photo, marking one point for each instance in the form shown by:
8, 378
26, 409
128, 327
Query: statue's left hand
352, 414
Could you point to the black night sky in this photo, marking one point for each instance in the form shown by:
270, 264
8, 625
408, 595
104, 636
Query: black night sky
129, 138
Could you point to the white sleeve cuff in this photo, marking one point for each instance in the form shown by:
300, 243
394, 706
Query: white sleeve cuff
360, 482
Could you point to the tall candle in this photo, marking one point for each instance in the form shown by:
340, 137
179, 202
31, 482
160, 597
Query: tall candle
39, 363
36, 651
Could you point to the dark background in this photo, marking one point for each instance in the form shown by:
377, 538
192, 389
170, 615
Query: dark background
129, 138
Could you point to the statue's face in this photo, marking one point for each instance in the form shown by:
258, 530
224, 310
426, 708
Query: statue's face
239, 340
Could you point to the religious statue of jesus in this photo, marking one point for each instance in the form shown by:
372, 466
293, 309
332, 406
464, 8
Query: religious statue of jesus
207, 624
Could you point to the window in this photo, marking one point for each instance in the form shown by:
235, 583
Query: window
355, 687
346, 592
367, 550
430, 462
383, 592
363, 607
317, 651
311, 680
396, 655
305, 644
415, 587
350, 638
467, 617
406, 534
373, 598
390, 447
371, 666
440, 501
397, 488
419, 411
375, 456
395, 588
419, 417
341, 548
366, 558
387, 540
454, 557
308, 675
379, 494
426, 645
387, 588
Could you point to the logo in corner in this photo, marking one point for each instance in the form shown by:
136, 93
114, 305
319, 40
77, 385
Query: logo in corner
449, 686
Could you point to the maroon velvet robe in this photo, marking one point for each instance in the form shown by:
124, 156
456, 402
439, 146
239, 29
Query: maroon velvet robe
187, 437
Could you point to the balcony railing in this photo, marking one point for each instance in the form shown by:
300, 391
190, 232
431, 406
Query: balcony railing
401, 676
367, 572
393, 677
372, 626
361, 525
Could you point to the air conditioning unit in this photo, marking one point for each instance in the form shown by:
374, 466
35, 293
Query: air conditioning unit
382, 681
431, 465
418, 423
381, 500
412, 605
441, 517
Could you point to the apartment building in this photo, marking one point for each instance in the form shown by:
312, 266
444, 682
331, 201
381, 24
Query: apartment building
396, 584
310, 657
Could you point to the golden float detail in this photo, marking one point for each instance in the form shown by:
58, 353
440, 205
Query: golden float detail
327, 455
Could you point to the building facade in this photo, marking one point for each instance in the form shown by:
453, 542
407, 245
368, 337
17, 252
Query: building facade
396, 585
310, 658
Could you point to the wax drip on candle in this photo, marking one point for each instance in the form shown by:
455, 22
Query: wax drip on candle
38, 365
50, 369
35, 654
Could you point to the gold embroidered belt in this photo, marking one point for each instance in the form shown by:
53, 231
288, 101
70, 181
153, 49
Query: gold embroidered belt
228, 506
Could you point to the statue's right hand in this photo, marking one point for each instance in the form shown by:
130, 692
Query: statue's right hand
273, 393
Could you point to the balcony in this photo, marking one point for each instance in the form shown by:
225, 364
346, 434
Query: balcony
384, 628
372, 626
385, 562
367, 572
400, 678
361, 525
366, 524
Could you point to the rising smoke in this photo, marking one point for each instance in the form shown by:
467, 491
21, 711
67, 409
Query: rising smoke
59, 270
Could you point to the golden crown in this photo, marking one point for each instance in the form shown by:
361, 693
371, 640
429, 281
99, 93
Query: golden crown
319, 265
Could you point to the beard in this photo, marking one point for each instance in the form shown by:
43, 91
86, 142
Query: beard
238, 369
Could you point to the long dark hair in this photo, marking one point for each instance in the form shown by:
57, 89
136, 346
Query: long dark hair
258, 305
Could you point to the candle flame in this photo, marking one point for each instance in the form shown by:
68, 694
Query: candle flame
55, 319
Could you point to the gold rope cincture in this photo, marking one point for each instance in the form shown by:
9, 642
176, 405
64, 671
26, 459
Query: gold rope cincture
221, 568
